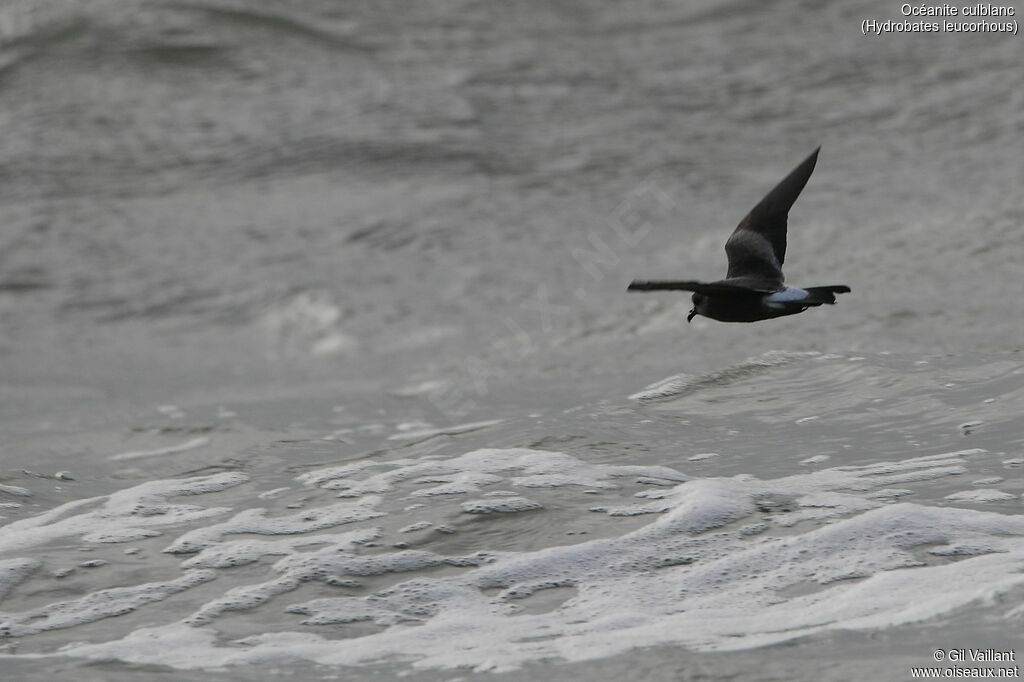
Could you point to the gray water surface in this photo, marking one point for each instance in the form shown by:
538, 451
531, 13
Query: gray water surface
244, 244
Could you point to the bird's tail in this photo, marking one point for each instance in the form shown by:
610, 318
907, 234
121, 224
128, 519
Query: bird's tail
819, 295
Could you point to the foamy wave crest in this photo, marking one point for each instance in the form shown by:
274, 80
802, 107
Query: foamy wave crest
723, 563
682, 384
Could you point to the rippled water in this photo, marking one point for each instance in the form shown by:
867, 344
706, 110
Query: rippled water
790, 497
315, 355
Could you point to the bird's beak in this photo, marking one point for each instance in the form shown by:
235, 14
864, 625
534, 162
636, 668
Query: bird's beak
692, 314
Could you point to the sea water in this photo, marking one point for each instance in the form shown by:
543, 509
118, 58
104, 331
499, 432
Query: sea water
316, 357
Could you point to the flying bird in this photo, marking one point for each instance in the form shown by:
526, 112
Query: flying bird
753, 287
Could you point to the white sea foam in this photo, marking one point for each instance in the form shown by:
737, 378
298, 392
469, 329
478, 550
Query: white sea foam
422, 434
413, 527
723, 563
986, 495
15, 490
97, 605
13, 571
701, 456
503, 505
681, 384
127, 512
192, 444
308, 323
241, 552
480, 468
255, 521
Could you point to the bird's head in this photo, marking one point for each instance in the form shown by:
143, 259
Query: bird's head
698, 300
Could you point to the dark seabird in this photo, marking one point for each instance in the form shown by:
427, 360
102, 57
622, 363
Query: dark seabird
753, 287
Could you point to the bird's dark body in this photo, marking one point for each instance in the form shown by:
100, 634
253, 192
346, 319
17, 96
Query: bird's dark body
754, 306
739, 308
753, 288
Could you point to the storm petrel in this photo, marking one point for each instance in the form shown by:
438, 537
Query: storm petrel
753, 287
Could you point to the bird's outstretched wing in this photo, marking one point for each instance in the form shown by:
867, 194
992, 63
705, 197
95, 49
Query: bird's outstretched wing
757, 247
706, 288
